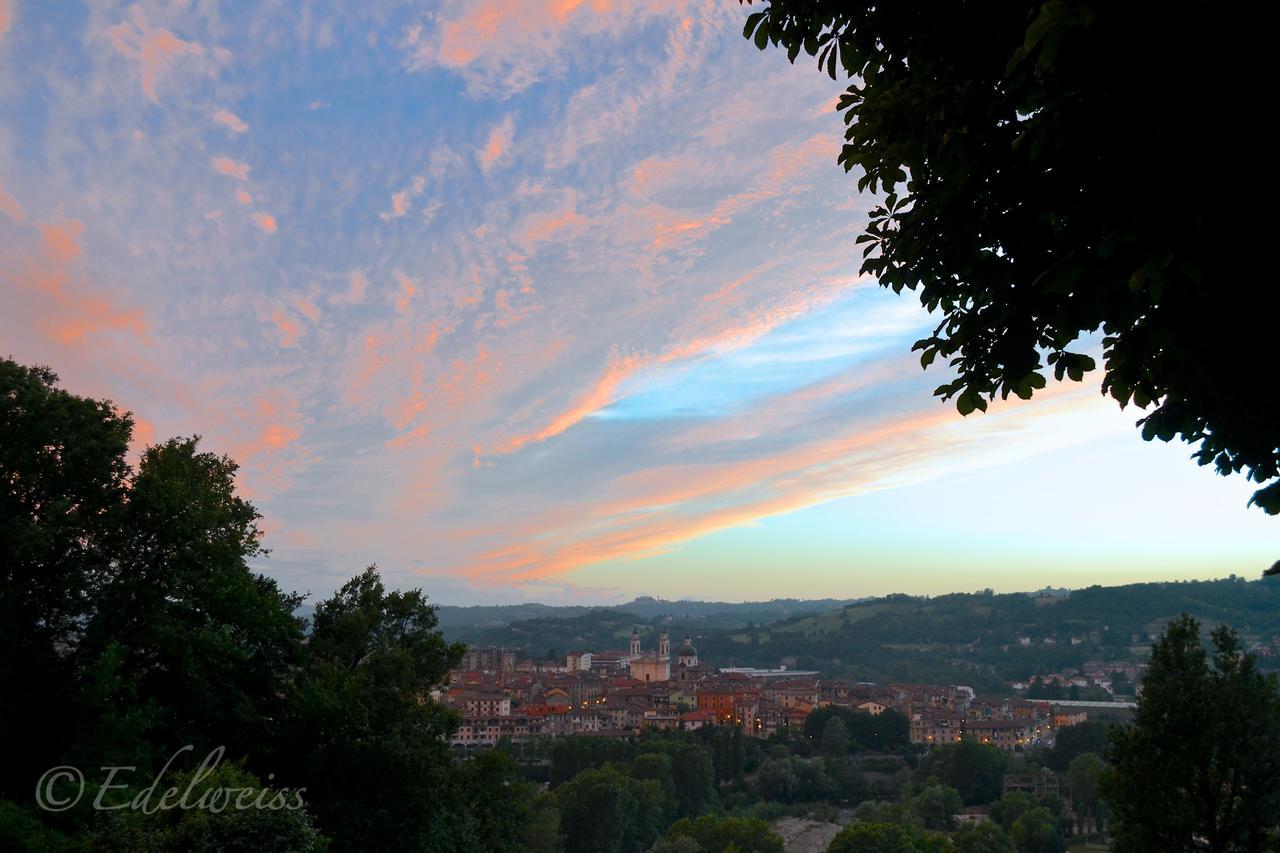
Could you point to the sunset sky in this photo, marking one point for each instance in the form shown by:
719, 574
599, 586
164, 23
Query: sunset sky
541, 300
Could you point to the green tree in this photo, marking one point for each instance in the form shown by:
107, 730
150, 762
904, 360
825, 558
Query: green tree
370, 750
1089, 736
974, 769
883, 811
1037, 831
887, 838
182, 619
604, 811
541, 831
1085, 773
715, 834
777, 779
63, 477
1000, 135
985, 837
656, 767
937, 806
695, 780
497, 804
1013, 805
1198, 769
835, 738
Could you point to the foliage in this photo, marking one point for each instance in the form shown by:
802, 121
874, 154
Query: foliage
357, 717
936, 806
975, 770
999, 135
888, 731
1085, 774
835, 738
887, 838
985, 837
231, 828
605, 811
1198, 769
1038, 830
133, 633
882, 811
1073, 741
715, 834
1011, 806
541, 831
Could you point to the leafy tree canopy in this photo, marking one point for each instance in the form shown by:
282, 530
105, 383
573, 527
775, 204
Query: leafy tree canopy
1198, 769
887, 838
1032, 158
714, 834
974, 769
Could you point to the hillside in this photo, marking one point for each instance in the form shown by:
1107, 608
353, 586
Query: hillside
970, 638
538, 628
981, 636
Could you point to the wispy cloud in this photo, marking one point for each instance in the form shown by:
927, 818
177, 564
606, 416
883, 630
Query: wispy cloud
504, 292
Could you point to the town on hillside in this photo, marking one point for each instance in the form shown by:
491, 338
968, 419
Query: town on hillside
622, 693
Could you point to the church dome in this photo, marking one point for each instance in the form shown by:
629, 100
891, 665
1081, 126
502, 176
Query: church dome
687, 651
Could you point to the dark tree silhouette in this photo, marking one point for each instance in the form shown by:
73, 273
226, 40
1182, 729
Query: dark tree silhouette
1037, 162
1198, 770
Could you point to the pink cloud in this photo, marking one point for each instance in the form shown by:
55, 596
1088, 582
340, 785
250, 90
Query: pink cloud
498, 144
59, 300
508, 44
290, 330
357, 286
61, 241
541, 227
735, 332
244, 197
399, 205
306, 308
151, 48
657, 507
230, 168
407, 290
265, 221
9, 205
232, 121
6, 17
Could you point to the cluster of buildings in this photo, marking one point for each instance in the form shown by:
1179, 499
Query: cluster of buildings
1095, 673
619, 694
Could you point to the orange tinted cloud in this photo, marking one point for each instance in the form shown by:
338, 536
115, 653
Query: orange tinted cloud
357, 286
9, 205
290, 330
61, 301
244, 197
595, 398
6, 17
61, 241
152, 49
540, 227
498, 144
306, 308
265, 221
407, 290
231, 121
662, 506
739, 333
230, 168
